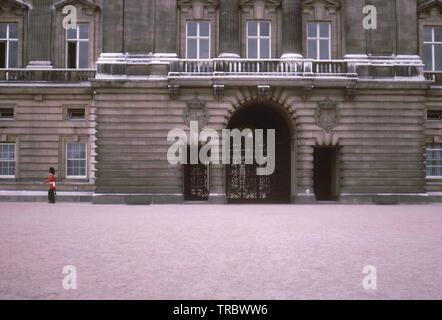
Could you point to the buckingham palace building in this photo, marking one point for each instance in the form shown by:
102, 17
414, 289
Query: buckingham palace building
352, 88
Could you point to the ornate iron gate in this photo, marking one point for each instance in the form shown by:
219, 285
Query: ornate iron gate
243, 185
196, 182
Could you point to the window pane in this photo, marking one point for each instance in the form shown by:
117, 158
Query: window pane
2, 54
191, 49
324, 49
2, 30
84, 31
252, 48
438, 34
324, 30
428, 57
311, 29
264, 49
72, 55
72, 34
204, 49
13, 54
252, 28
312, 49
204, 28
264, 29
438, 57
191, 29
84, 55
13, 31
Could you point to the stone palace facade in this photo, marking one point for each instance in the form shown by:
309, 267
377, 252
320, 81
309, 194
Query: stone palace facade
352, 87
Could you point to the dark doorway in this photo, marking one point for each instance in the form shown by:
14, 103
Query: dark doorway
243, 185
325, 173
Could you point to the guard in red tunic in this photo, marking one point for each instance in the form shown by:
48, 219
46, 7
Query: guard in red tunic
52, 192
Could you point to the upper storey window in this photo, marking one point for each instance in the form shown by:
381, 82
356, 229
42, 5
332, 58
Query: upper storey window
433, 48
77, 47
258, 39
318, 40
198, 40
8, 45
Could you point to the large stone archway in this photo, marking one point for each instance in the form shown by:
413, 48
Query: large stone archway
243, 185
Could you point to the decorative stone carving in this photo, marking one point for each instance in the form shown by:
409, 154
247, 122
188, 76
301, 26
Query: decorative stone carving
259, 6
307, 92
14, 6
174, 90
350, 92
327, 114
263, 92
196, 111
197, 6
429, 7
218, 91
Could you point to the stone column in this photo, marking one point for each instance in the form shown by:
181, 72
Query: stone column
40, 31
408, 40
291, 29
355, 35
113, 23
229, 28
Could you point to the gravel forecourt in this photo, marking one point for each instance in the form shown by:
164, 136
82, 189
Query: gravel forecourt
220, 251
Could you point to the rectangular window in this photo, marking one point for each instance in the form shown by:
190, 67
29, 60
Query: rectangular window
434, 160
8, 45
76, 114
77, 47
434, 115
76, 159
318, 41
198, 40
7, 160
6, 113
258, 40
433, 48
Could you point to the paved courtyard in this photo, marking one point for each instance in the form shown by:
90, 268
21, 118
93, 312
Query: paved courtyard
220, 252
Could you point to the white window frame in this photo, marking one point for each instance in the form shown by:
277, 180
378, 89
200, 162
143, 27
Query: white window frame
8, 40
85, 159
77, 41
318, 39
198, 38
433, 44
8, 160
433, 147
259, 38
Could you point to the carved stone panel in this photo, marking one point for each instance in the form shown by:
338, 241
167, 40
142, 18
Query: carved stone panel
327, 114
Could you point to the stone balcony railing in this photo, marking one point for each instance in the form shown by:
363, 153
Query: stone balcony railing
258, 67
435, 76
240, 68
51, 75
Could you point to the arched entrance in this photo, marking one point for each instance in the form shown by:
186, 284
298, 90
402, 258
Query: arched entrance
243, 185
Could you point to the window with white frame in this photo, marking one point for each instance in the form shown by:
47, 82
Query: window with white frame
258, 39
318, 40
8, 45
77, 47
7, 160
433, 48
76, 162
198, 40
434, 160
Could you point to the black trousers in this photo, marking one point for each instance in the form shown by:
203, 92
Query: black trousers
51, 195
